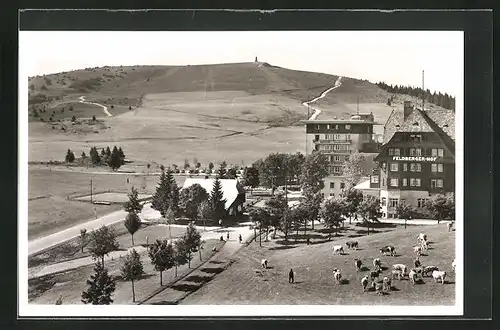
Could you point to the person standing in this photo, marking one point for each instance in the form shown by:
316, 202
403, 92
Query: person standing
227, 236
240, 238
290, 276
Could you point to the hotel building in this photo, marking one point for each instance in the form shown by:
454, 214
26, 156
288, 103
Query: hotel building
337, 139
416, 160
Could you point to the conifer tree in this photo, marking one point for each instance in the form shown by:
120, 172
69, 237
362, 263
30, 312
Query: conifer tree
133, 204
217, 201
70, 156
100, 287
132, 223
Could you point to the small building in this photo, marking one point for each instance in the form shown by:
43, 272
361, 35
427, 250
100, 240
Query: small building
232, 190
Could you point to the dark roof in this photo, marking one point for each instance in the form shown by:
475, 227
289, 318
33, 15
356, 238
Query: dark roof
442, 122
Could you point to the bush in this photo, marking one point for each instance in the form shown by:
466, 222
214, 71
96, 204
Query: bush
73, 119
44, 88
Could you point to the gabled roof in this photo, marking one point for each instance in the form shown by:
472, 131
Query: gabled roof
445, 119
230, 188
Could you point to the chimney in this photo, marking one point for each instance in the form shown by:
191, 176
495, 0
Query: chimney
408, 108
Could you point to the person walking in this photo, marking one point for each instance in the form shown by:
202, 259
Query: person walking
290, 276
227, 236
240, 238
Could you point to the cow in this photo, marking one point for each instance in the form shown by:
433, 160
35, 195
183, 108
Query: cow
418, 270
352, 245
400, 267
357, 264
422, 237
263, 262
374, 274
377, 264
364, 282
337, 276
454, 264
449, 225
388, 249
412, 276
386, 283
424, 245
417, 250
429, 269
378, 287
396, 273
338, 249
439, 275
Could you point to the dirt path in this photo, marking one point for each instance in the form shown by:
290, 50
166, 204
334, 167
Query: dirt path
105, 108
317, 111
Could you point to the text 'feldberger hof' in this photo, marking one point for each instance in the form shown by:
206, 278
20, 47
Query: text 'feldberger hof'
418, 159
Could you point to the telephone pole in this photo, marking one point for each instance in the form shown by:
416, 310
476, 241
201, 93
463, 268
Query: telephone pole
423, 91
91, 202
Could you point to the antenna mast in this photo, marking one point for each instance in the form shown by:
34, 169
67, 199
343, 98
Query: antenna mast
357, 105
423, 91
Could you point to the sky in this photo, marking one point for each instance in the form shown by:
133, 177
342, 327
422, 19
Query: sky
396, 57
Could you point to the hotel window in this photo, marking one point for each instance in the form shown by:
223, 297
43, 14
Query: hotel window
434, 168
394, 167
434, 152
316, 137
347, 126
329, 158
440, 152
391, 151
336, 169
384, 201
383, 182
412, 151
337, 137
328, 136
317, 126
418, 152
348, 137
336, 126
418, 167
336, 158
332, 185
374, 179
328, 126
415, 182
393, 202
342, 185
439, 183
397, 152
332, 194
421, 202
394, 182
412, 167
405, 182
405, 167
440, 168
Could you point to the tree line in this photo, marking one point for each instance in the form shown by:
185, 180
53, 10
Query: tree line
113, 158
443, 100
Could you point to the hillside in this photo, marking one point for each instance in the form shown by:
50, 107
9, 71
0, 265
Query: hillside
210, 111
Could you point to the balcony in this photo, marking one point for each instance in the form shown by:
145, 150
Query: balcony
345, 141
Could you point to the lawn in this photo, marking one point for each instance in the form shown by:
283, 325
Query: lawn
245, 282
69, 285
50, 211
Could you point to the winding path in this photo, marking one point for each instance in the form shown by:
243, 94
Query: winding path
317, 111
105, 108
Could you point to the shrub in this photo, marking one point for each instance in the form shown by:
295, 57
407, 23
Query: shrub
73, 119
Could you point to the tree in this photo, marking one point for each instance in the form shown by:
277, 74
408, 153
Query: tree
289, 218
162, 256
295, 162
32, 87
331, 212
353, 199
94, 156
70, 156
186, 164
164, 196
83, 238
132, 223
204, 211
93, 118
251, 177
276, 207
148, 166
83, 155
198, 165
190, 200
232, 173
115, 161
314, 169
73, 119
59, 301
217, 201
370, 210
100, 287
312, 204
260, 216
103, 241
353, 169
193, 241
108, 152
442, 207
210, 166
273, 170
122, 155
405, 211
133, 204
132, 269
181, 253
222, 172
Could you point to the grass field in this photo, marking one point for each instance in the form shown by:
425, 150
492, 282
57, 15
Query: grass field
69, 285
50, 211
245, 282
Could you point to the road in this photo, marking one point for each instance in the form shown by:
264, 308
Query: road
229, 248
105, 108
46, 242
317, 111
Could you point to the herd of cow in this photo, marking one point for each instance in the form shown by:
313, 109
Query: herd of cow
398, 271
